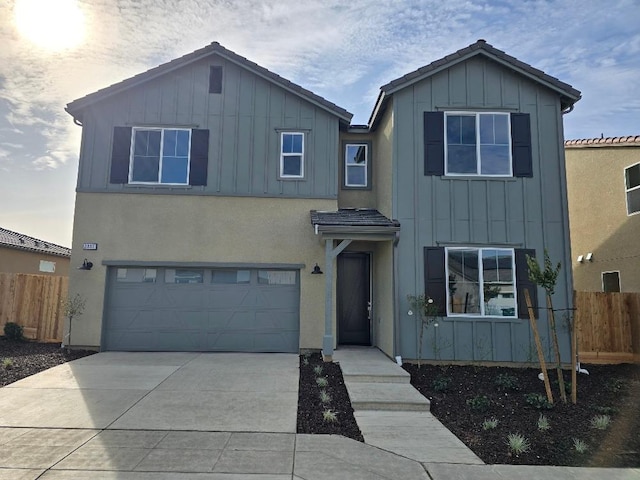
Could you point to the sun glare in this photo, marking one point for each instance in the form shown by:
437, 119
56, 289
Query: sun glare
51, 24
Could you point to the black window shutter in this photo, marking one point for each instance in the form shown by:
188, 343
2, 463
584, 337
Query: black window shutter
434, 143
199, 157
120, 155
523, 282
521, 145
435, 277
215, 79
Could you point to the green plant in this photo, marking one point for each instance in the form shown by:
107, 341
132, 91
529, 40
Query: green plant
73, 307
606, 410
426, 312
615, 385
479, 402
601, 422
543, 423
13, 331
324, 396
518, 443
7, 363
539, 401
322, 381
504, 381
305, 360
317, 370
329, 416
490, 423
579, 445
440, 384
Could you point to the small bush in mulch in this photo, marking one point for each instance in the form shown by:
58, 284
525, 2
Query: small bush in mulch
497, 413
324, 406
24, 358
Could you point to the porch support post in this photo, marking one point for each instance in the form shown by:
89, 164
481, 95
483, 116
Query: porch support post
330, 255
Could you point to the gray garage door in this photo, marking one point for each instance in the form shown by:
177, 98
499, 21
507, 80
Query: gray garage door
199, 309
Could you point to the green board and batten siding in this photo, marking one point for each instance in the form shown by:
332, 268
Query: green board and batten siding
515, 212
244, 124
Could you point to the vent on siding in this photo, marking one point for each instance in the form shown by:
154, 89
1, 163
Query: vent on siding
215, 79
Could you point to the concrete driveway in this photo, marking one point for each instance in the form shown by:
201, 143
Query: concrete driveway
232, 392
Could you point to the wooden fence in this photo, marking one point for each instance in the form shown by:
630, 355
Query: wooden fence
35, 302
608, 327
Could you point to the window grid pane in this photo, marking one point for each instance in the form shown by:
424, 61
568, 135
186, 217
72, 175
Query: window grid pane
292, 155
161, 156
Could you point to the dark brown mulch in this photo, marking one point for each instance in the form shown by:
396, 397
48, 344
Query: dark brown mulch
610, 389
310, 407
20, 359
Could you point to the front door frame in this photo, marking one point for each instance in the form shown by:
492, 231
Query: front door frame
340, 292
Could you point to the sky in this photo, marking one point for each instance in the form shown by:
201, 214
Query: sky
55, 51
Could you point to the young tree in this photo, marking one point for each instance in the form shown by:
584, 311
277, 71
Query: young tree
426, 314
73, 307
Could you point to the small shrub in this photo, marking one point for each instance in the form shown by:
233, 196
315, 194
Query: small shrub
605, 410
322, 381
7, 364
539, 401
324, 396
490, 423
601, 422
305, 360
518, 443
329, 416
479, 402
615, 385
13, 331
317, 370
441, 384
543, 423
579, 445
504, 381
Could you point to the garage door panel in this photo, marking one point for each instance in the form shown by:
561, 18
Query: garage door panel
246, 317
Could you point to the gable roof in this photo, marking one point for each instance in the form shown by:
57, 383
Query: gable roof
568, 94
19, 241
75, 107
629, 141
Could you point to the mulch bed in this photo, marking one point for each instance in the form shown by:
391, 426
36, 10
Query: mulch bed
20, 359
311, 408
454, 391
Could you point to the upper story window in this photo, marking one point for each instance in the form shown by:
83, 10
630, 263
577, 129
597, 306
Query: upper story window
292, 155
632, 188
356, 165
160, 155
478, 144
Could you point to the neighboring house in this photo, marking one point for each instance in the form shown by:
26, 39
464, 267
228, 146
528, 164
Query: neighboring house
23, 254
217, 192
603, 180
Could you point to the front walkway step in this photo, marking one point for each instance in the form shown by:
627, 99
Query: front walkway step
386, 396
369, 365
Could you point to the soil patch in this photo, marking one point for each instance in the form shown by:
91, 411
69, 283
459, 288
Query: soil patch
463, 397
311, 407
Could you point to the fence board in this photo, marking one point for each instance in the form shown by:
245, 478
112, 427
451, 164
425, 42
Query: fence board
608, 326
35, 303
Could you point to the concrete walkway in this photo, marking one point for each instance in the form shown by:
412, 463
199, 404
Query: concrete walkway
181, 416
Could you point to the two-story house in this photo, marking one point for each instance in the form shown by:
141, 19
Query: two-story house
603, 181
236, 211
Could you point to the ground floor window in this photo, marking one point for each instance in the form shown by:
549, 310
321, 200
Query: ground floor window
481, 282
610, 281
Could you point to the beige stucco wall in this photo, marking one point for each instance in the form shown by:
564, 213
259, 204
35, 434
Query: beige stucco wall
19, 261
598, 216
185, 228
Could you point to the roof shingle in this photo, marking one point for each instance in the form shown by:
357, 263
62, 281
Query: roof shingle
366, 217
19, 241
629, 141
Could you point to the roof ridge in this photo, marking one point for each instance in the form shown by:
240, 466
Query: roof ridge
602, 140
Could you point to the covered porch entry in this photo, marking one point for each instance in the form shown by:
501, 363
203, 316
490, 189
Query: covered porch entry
359, 291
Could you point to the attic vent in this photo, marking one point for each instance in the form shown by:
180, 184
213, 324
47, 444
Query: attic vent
215, 79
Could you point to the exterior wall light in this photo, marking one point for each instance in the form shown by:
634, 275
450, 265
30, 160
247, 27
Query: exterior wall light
580, 258
589, 257
86, 265
316, 270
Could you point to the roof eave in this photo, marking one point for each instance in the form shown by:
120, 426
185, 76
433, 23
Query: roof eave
34, 250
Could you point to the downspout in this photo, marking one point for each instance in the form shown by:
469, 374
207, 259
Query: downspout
396, 298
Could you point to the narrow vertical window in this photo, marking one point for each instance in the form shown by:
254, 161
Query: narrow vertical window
215, 79
632, 188
356, 165
292, 155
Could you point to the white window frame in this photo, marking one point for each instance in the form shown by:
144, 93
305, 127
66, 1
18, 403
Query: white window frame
294, 154
619, 280
365, 166
627, 190
161, 130
478, 156
481, 283
47, 266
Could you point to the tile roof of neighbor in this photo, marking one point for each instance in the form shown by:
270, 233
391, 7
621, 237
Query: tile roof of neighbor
74, 108
628, 141
24, 242
365, 217
570, 94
